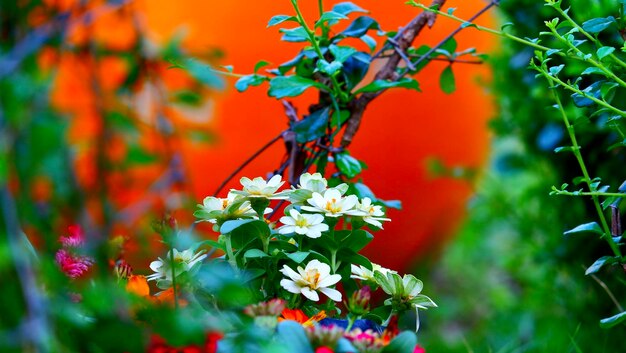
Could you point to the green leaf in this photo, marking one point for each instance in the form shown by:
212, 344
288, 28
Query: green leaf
592, 227
330, 16
357, 240
378, 85
292, 335
449, 46
297, 34
599, 263
348, 165
341, 53
369, 41
202, 72
137, 155
244, 82
346, 8
229, 226
260, 65
604, 52
298, 256
446, 80
254, 253
280, 19
329, 68
290, 86
405, 342
592, 70
360, 26
613, 320
597, 25
312, 126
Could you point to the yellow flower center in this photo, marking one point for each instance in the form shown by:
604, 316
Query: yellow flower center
301, 222
332, 207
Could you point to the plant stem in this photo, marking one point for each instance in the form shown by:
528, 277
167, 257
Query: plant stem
335, 88
333, 260
173, 265
585, 193
586, 34
320, 6
576, 150
229, 251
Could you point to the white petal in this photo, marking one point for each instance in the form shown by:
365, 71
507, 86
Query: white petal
312, 209
373, 222
349, 202
329, 280
156, 265
319, 227
313, 233
301, 230
315, 218
286, 229
311, 294
290, 286
275, 181
317, 200
287, 220
333, 294
333, 194
287, 271
294, 213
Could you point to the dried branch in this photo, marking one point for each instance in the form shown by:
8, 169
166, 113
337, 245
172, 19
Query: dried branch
404, 39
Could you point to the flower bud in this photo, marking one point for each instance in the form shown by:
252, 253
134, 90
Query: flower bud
359, 302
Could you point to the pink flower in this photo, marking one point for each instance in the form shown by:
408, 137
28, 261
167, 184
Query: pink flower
75, 237
419, 349
324, 349
72, 265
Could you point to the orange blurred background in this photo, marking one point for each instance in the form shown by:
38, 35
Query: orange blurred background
400, 131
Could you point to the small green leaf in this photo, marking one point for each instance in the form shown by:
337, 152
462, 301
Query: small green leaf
330, 16
592, 70
298, 256
369, 41
341, 53
348, 165
446, 80
604, 52
613, 320
378, 85
202, 72
360, 26
597, 25
592, 227
280, 19
254, 253
405, 342
297, 34
244, 82
290, 86
597, 265
259, 65
346, 8
137, 155
329, 68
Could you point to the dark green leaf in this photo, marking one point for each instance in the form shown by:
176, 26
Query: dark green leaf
312, 126
355, 68
290, 86
446, 80
592, 70
613, 320
280, 19
597, 265
346, 8
592, 227
298, 256
357, 240
378, 85
259, 65
348, 165
405, 342
360, 26
328, 68
330, 16
138, 155
597, 25
254, 253
369, 41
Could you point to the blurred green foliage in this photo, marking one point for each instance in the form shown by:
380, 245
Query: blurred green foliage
511, 281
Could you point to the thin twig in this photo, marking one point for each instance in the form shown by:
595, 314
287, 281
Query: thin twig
246, 162
607, 290
450, 60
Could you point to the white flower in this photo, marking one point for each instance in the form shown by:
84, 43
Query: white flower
364, 274
232, 207
258, 187
308, 281
332, 204
183, 262
313, 182
310, 225
372, 213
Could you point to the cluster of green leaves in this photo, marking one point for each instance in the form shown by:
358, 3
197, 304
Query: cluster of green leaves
519, 263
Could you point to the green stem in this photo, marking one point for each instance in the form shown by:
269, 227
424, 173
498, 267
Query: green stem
585, 193
576, 150
173, 266
586, 34
335, 87
351, 320
597, 64
333, 260
229, 251
320, 6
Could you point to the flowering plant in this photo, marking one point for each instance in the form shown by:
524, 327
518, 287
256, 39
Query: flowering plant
301, 279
